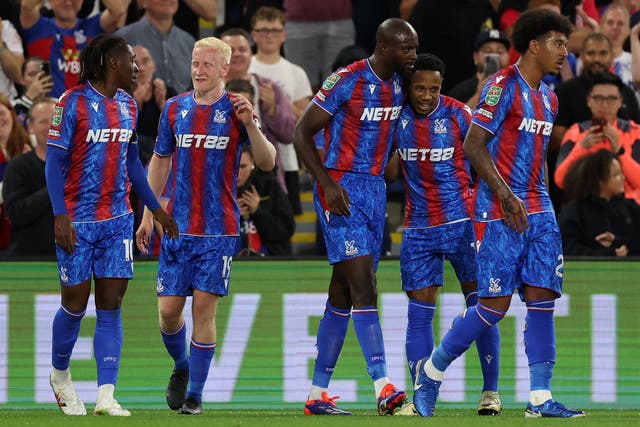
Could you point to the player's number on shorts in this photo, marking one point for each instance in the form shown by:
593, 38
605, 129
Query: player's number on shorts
226, 265
128, 249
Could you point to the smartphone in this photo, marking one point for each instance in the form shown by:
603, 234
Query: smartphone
598, 123
45, 68
491, 64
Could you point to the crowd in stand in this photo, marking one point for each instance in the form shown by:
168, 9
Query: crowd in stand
281, 53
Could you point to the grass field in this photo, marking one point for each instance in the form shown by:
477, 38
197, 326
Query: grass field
448, 417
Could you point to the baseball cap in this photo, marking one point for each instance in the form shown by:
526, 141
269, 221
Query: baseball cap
490, 36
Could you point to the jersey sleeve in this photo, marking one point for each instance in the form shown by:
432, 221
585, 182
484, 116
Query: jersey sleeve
463, 116
63, 122
494, 102
335, 90
165, 144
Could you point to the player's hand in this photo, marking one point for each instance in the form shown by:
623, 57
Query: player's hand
143, 234
337, 199
167, 223
65, 233
514, 213
242, 107
267, 97
605, 239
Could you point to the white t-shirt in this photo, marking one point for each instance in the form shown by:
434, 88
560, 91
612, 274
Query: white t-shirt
294, 82
291, 78
13, 42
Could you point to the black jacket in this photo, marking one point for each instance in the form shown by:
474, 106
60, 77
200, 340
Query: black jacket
581, 221
274, 219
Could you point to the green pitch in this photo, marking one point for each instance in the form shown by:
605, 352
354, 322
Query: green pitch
267, 418
266, 330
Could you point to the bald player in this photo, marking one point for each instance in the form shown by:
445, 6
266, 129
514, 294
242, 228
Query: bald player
357, 108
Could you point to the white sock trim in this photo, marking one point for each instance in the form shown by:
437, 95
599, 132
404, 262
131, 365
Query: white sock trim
316, 392
538, 397
379, 384
60, 377
432, 372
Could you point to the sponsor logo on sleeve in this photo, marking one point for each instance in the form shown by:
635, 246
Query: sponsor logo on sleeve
331, 81
57, 116
493, 96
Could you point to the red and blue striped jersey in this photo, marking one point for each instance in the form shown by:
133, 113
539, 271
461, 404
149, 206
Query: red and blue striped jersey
96, 132
520, 119
364, 109
61, 47
206, 142
437, 179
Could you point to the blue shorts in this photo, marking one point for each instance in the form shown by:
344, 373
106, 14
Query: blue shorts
424, 250
195, 262
359, 234
507, 259
105, 248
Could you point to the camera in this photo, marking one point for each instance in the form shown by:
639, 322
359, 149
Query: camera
491, 64
45, 68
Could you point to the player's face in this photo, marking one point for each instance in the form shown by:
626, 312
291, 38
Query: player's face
146, 66
614, 185
240, 54
246, 166
127, 71
268, 35
402, 51
596, 56
207, 69
552, 51
66, 9
424, 91
40, 120
604, 101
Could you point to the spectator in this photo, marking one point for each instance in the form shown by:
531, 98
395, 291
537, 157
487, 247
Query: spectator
266, 218
150, 93
614, 24
36, 81
61, 38
169, 45
603, 131
600, 220
11, 58
596, 58
274, 109
268, 32
25, 190
14, 141
491, 53
316, 31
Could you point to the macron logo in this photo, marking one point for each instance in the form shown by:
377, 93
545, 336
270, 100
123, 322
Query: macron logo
184, 113
372, 88
94, 105
499, 79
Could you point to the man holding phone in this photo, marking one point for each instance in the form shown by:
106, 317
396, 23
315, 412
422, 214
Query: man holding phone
36, 78
603, 131
491, 53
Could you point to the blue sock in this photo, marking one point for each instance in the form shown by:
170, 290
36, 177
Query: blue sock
199, 362
367, 326
176, 345
331, 332
66, 326
107, 345
488, 345
419, 342
465, 329
540, 343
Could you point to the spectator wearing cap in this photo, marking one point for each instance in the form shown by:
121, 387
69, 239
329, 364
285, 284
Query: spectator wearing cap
490, 53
